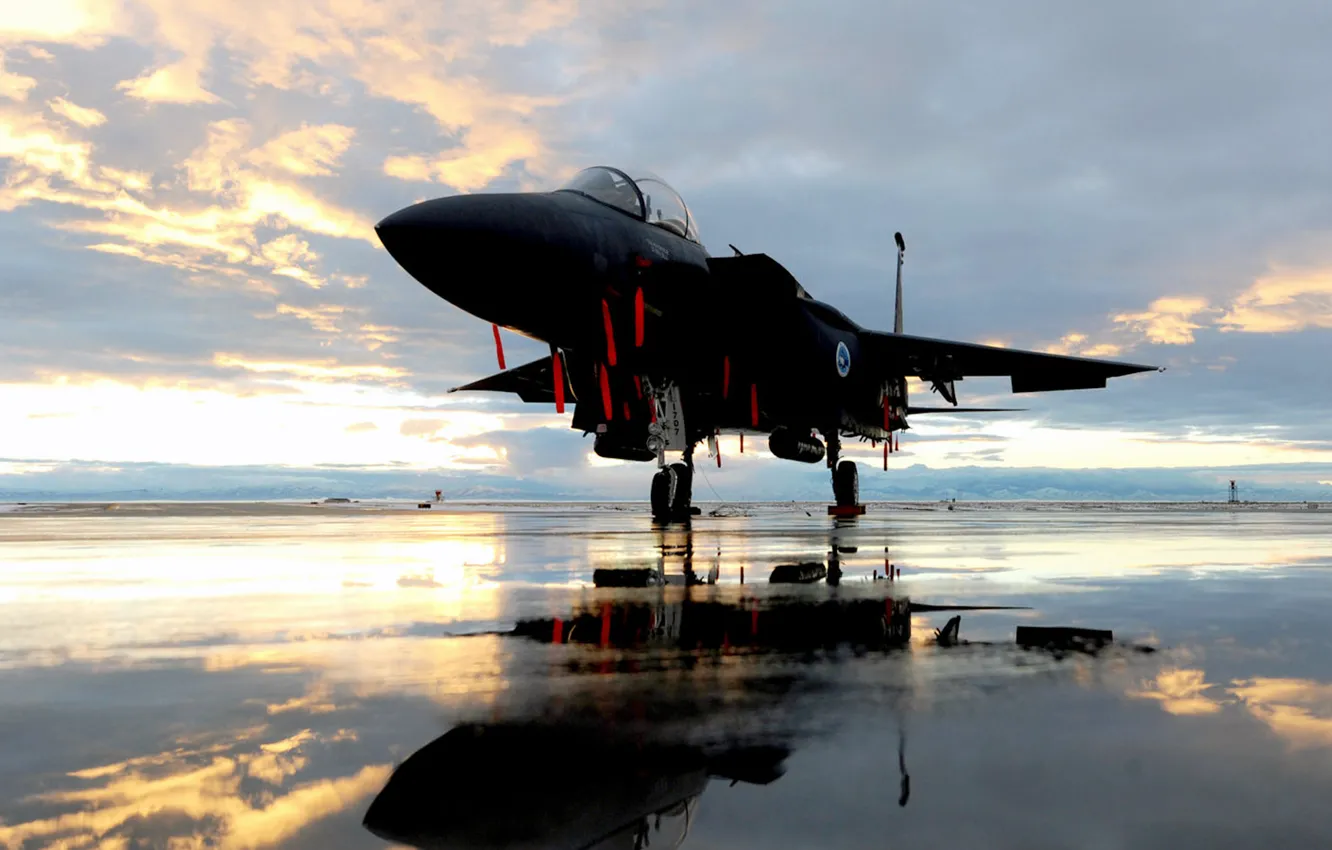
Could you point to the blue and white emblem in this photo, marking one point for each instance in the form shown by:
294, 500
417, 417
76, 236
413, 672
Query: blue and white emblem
843, 359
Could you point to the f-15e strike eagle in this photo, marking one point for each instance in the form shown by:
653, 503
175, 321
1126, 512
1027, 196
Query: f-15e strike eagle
663, 346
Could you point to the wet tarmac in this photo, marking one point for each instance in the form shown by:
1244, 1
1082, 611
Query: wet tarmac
371, 675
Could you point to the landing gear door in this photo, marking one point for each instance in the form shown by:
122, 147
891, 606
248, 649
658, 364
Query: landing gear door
670, 416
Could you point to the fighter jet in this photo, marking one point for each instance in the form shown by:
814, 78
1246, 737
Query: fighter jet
661, 345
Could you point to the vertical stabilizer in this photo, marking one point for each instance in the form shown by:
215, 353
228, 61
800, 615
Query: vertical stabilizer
897, 321
901, 253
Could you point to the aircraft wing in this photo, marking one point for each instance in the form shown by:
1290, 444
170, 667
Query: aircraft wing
942, 360
533, 382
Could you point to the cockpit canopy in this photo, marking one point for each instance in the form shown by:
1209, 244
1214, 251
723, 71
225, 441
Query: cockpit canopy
645, 196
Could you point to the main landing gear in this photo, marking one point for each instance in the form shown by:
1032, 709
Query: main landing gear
845, 481
846, 484
673, 491
673, 487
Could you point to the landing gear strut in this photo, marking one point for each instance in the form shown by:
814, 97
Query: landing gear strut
673, 490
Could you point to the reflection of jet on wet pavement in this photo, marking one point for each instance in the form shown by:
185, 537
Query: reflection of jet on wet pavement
556, 786
627, 770
867, 615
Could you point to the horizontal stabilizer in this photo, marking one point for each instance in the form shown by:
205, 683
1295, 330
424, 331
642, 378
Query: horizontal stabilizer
912, 411
533, 382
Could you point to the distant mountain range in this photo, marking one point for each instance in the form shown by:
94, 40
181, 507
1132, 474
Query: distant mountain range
83, 480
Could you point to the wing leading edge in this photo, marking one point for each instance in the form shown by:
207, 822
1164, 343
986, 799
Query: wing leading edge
943, 360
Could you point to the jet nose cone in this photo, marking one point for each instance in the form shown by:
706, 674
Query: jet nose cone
449, 242
501, 257
425, 225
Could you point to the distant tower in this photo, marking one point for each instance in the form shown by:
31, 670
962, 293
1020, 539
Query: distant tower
1234, 493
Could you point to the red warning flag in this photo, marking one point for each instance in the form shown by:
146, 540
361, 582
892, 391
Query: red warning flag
558, 369
638, 317
499, 348
610, 332
605, 392
753, 404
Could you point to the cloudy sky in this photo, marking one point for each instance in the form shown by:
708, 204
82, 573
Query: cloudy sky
189, 276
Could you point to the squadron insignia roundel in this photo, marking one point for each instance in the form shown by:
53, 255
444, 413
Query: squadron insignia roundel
843, 359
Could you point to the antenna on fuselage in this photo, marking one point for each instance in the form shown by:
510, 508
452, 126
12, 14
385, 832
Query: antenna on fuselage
901, 255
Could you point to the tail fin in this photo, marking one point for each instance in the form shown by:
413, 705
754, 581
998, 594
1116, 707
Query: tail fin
901, 252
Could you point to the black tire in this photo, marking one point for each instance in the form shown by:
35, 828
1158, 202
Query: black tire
663, 494
846, 484
684, 491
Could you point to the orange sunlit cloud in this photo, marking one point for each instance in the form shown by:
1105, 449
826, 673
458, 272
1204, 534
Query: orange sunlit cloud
1168, 321
1282, 302
209, 794
1180, 691
1299, 710
81, 115
1077, 343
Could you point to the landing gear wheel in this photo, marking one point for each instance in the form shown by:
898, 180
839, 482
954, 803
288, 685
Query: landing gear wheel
846, 484
663, 494
684, 491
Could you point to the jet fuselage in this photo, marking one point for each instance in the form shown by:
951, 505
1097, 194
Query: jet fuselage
542, 264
